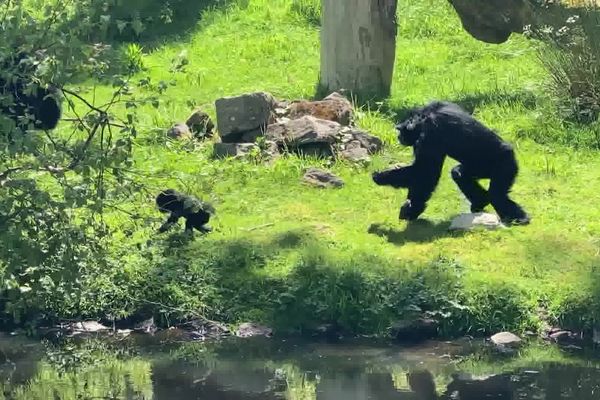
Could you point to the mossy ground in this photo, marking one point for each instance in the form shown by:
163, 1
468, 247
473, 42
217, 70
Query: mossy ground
294, 256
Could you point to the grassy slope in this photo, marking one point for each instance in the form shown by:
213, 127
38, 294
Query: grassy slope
360, 277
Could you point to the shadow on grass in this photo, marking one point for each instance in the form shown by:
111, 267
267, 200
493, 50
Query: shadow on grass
419, 231
153, 22
296, 283
469, 102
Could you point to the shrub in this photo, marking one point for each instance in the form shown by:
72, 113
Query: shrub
571, 55
308, 10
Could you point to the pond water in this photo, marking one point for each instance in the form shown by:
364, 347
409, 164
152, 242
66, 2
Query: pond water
149, 368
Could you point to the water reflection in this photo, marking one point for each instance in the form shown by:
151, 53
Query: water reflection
248, 370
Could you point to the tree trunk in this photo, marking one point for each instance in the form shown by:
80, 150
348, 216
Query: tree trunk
358, 46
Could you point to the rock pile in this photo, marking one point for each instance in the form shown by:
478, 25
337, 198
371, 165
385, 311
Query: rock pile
322, 128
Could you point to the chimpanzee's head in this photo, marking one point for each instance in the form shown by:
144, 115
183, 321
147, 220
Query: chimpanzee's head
411, 129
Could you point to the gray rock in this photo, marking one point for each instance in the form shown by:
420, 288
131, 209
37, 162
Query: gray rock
354, 151
200, 124
471, 221
562, 337
148, 326
250, 329
180, 131
241, 114
306, 130
322, 179
371, 143
506, 339
87, 327
222, 150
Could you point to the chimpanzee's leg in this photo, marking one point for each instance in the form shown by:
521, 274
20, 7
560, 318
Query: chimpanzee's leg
467, 183
173, 218
198, 221
500, 184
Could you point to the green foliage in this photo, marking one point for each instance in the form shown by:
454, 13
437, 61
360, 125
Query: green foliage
571, 56
54, 186
308, 10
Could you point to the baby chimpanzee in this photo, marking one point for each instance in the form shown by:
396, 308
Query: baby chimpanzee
196, 212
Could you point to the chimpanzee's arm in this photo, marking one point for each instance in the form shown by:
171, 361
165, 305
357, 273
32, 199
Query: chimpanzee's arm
426, 170
173, 218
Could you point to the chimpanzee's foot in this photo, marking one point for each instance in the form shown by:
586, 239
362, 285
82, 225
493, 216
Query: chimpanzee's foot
205, 229
477, 208
520, 220
411, 211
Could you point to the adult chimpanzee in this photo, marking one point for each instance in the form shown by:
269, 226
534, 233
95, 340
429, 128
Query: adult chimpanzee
196, 212
20, 99
443, 129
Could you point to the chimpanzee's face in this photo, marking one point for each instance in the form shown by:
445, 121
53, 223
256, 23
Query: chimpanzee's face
409, 131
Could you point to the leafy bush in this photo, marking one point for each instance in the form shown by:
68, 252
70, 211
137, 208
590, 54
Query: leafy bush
55, 187
571, 55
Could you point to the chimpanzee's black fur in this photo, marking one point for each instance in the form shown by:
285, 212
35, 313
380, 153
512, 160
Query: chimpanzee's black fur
443, 129
16, 101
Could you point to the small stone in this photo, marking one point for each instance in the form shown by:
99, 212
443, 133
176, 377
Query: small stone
148, 326
367, 141
250, 329
124, 332
322, 179
353, 151
471, 221
506, 339
561, 336
88, 327
180, 131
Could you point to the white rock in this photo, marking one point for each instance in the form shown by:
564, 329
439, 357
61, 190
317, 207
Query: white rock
471, 221
506, 339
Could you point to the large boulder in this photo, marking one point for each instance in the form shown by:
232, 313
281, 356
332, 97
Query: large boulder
506, 340
245, 117
334, 107
493, 21
305, 131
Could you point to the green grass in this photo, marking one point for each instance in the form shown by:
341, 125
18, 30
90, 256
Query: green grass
295, 256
